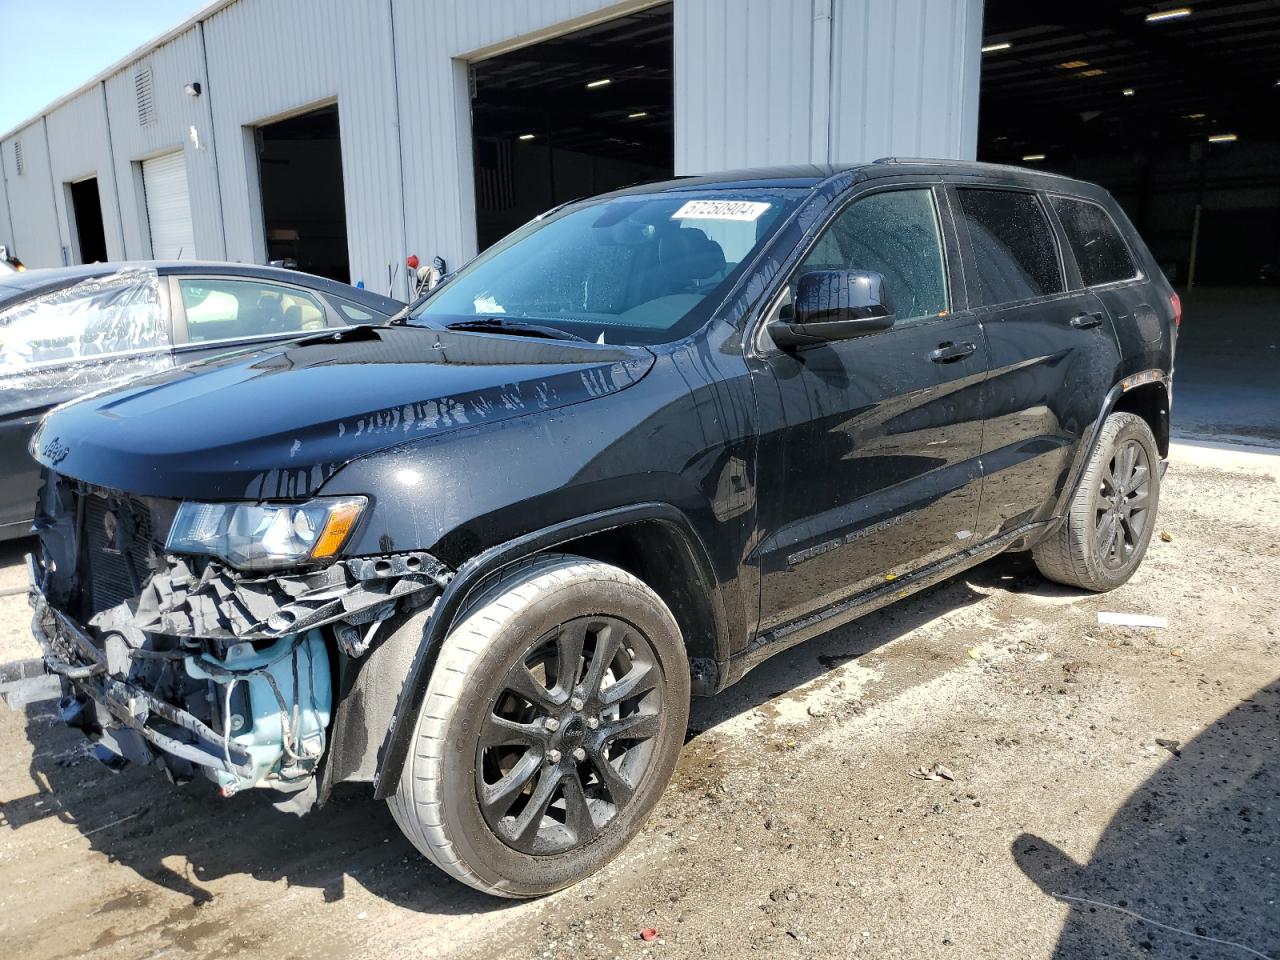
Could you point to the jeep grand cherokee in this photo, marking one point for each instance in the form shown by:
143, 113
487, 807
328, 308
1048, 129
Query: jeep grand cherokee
480, 557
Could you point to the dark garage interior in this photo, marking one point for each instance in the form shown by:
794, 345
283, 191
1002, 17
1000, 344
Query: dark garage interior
569, 117
1175, 108
303, 205
86, 215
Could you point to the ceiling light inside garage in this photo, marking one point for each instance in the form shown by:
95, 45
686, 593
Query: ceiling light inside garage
1033, 156
637, 115
1177, 13
1223, 138
1095, 72
995, 47
526, 136
1193, 116
1127, 91
592, 85
1074, 64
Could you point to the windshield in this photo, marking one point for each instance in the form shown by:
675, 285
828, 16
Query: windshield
628, 270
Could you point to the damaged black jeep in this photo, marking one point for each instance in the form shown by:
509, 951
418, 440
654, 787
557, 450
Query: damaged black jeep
480, 557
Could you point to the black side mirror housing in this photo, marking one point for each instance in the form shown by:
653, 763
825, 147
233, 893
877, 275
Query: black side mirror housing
835, 305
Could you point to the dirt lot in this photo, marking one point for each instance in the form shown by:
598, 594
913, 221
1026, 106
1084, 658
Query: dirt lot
1097, 770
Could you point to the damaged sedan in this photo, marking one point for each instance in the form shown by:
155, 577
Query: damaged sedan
480, 557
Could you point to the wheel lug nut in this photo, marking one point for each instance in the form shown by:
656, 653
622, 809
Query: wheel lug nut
579, 754
552, 724
576, 703
553, 756
592, 722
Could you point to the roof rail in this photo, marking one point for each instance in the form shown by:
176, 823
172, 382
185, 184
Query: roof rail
973, 164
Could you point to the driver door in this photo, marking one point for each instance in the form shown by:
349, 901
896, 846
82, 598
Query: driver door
868, 449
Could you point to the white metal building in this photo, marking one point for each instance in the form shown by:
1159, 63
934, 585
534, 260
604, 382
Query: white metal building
346, 134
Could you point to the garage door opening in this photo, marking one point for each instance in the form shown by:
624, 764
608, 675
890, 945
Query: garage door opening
303, 205
580, 114
86, 221
1176, 110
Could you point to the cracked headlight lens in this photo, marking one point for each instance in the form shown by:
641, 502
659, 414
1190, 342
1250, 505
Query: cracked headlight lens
265, 536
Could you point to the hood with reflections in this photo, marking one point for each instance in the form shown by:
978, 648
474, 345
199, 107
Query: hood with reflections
277, 423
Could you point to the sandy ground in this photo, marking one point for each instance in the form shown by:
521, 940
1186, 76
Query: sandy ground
1133, 770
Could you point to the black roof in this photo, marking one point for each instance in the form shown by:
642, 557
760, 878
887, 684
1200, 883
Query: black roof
814, 175
52, 278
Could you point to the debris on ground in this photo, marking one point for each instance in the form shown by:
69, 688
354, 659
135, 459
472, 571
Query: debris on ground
649, 934
1173, 746
1166, 536
937, 772
1133, 620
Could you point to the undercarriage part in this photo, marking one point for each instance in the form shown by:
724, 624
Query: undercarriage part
215, 601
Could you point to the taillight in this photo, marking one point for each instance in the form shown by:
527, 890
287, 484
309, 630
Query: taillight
1176, 302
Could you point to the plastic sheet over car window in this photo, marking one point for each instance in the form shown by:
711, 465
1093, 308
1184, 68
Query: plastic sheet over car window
98, 317
92, 335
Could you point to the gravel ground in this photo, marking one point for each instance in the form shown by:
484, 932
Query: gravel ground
1101, 775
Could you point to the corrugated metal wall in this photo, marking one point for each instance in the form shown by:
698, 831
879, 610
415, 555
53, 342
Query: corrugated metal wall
300, 54
79, 147
35, 220
174, 113
757, 82
789, 81
6, 226
435, 120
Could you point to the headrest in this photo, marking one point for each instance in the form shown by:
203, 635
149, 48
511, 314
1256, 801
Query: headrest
692, 252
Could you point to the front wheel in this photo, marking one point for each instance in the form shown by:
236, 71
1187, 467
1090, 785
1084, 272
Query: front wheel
1107, 529
550, 728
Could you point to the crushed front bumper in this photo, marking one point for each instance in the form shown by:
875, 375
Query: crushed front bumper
71, 654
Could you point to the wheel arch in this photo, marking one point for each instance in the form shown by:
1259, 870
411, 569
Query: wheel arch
653, 541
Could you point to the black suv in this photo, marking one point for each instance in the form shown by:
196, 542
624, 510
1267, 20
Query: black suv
480, 557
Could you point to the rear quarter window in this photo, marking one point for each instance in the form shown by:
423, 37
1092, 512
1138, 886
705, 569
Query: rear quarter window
1096, 241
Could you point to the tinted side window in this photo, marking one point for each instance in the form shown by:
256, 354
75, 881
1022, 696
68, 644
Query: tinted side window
220, 309
1013, 247
895, 234
1095, 240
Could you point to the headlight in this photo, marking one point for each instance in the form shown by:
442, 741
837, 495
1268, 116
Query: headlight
265, 536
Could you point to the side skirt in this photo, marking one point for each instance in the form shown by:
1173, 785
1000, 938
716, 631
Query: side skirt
838, 614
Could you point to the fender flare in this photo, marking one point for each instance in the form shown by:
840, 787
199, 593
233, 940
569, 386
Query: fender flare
1109, 402
477, 569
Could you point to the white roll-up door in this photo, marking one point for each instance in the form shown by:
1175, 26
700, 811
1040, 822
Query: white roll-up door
164, 180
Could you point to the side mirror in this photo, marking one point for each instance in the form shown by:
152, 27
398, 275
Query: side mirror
835, 305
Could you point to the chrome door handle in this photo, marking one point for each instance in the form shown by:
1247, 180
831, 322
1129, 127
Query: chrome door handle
951, 352
1084, 321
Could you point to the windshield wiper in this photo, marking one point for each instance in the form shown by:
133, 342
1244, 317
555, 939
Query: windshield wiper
515, 328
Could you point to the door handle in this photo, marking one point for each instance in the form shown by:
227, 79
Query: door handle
950, 352
1084, 321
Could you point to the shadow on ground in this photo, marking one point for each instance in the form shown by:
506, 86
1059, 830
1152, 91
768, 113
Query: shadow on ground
137, 819
1197, 848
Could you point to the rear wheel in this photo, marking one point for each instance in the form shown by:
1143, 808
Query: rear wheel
1108, 527
550, 728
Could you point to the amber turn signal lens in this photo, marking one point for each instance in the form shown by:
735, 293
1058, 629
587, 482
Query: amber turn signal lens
342, 519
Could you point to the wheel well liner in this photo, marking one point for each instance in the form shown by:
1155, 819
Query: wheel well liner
1150, 401
623, 536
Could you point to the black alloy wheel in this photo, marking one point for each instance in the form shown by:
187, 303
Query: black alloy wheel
570, 735
1122, 508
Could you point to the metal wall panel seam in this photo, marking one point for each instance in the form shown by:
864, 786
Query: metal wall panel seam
206, 94
111, 164
820, 85
53, 189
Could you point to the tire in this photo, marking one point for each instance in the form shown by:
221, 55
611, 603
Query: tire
478, 737
1108, 526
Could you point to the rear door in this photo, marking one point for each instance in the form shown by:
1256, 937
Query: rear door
868, 450
1054, 355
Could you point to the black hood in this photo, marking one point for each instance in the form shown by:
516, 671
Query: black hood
279, 422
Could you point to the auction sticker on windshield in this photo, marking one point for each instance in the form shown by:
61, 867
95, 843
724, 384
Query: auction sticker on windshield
721, 210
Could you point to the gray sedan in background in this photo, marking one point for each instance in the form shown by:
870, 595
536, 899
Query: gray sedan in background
65, 332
